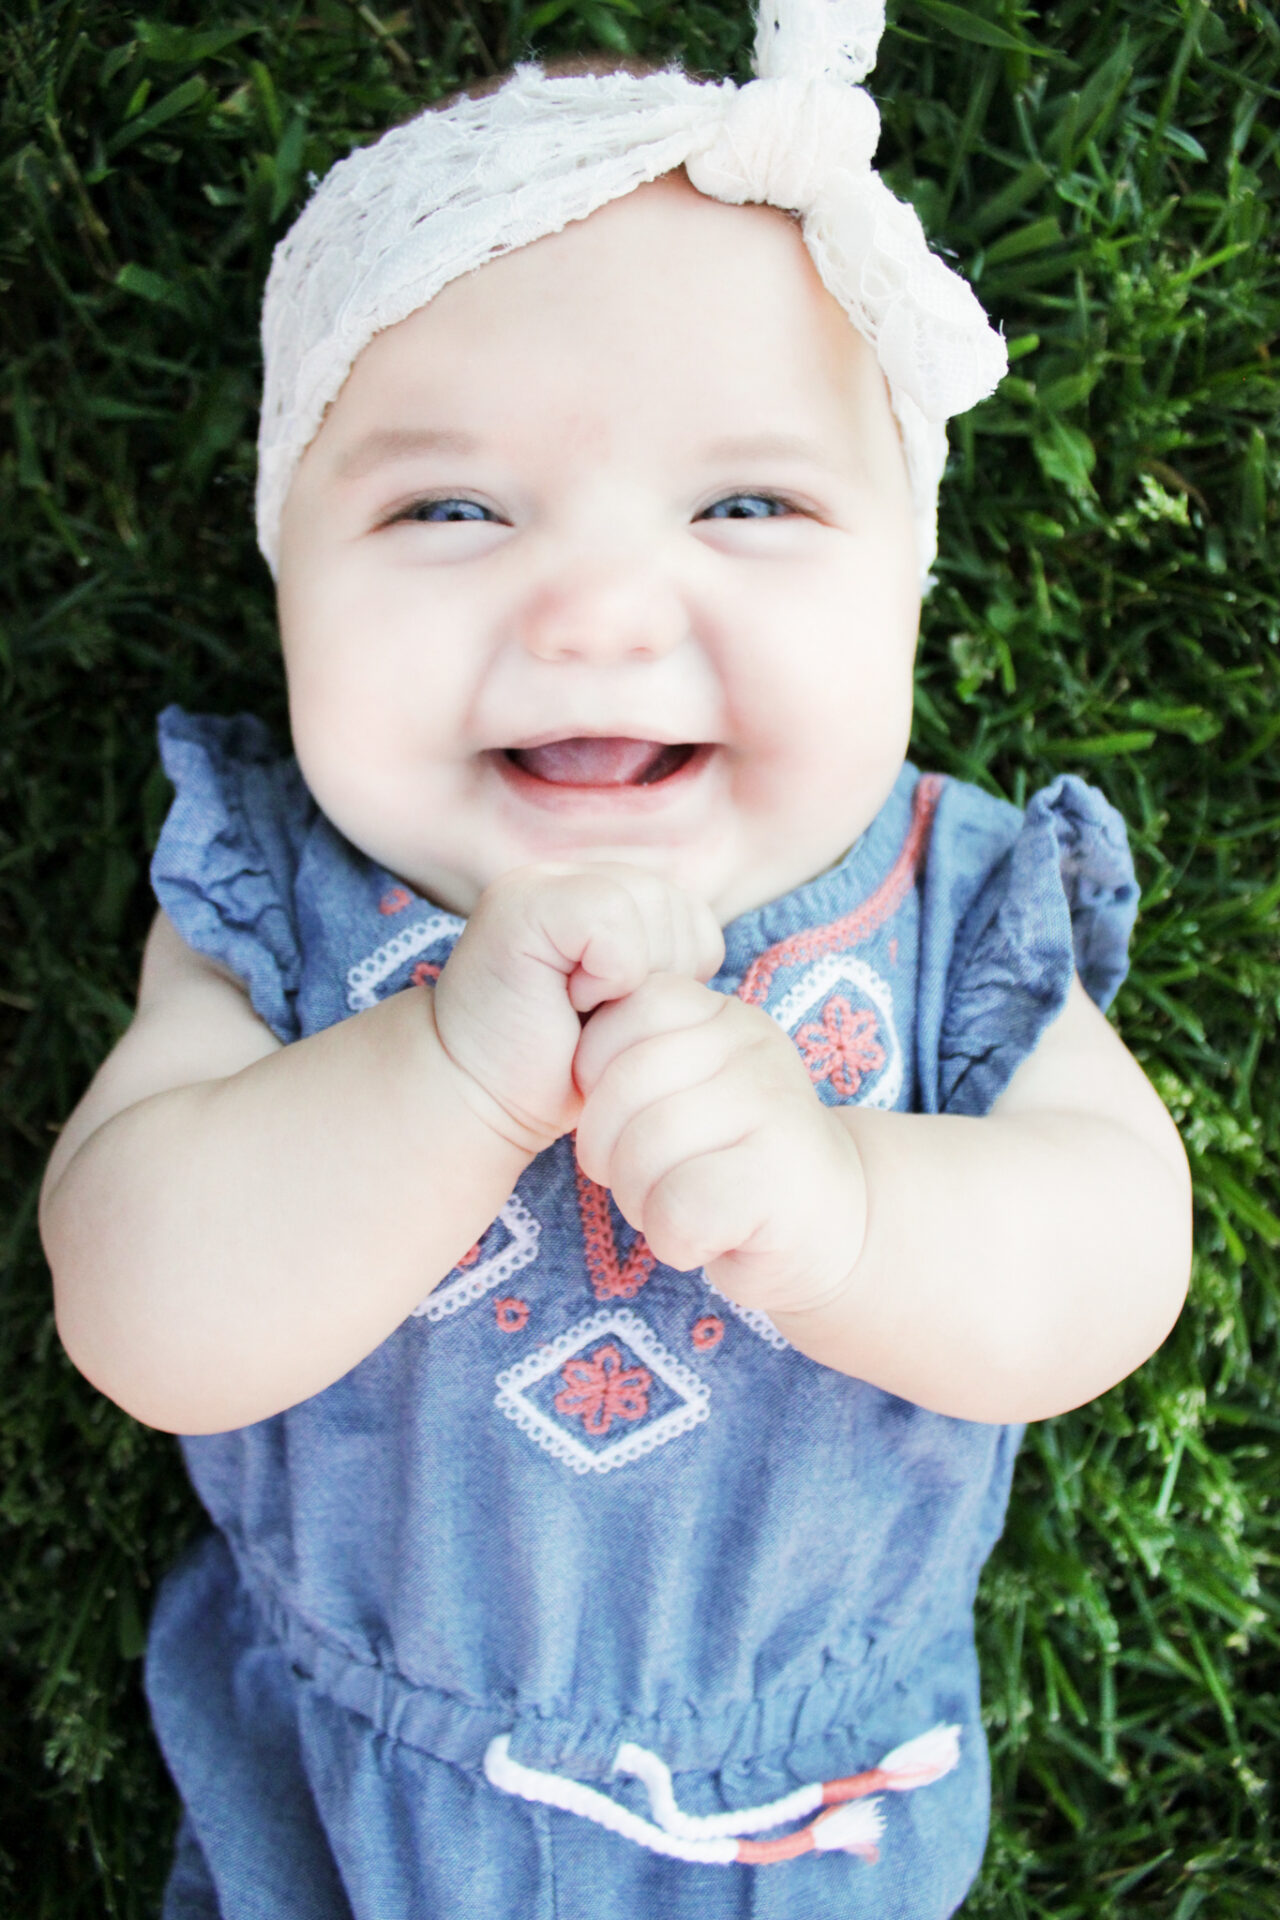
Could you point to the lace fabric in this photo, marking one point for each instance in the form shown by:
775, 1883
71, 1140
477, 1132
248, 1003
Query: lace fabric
395, 222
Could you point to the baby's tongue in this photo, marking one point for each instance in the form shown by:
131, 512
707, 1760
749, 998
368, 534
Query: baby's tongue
586, 761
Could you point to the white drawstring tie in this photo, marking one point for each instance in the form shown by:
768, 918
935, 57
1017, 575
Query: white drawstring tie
852, 1823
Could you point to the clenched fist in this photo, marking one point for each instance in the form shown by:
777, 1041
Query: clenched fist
545, 945
700, 1118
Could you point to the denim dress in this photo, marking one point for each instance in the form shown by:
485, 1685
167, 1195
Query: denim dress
582, 1595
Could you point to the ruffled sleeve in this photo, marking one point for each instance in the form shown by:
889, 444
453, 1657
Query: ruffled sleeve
224, 866
1019, 903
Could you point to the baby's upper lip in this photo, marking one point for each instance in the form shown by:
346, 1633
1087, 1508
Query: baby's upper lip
622, 730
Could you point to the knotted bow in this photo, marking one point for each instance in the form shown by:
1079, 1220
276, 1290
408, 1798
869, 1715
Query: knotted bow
785, 141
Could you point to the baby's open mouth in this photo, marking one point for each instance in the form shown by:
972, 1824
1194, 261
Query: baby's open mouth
588, 760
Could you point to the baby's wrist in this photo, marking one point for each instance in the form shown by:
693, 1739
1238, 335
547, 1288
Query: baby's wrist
832, 1297
523, 1134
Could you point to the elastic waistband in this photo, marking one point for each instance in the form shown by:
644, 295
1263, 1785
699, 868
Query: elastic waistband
827, 1728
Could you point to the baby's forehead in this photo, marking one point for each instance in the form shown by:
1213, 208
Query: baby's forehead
686, 273
662, 299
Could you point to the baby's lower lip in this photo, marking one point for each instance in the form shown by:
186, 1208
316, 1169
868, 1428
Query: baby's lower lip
560, 797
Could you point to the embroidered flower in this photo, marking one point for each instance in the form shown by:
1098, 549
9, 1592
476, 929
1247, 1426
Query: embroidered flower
395, 900
707, 1332
511, 1314
843, 1047
470, 1257
424, 971
600, 1390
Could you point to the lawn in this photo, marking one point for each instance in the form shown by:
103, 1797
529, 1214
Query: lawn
1106, 171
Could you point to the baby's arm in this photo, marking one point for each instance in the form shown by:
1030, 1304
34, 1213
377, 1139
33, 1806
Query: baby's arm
233, 1224
1003, 1268
1048, 1245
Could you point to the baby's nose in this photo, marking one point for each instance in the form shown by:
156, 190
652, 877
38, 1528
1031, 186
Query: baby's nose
603, 616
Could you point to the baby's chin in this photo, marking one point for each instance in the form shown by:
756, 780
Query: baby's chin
729, 888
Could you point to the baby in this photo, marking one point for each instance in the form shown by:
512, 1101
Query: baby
608, 1152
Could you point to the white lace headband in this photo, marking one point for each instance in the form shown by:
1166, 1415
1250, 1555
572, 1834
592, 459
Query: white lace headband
395, 222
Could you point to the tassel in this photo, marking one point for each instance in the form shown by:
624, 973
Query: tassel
916, 1763
919, 1762
851, 1829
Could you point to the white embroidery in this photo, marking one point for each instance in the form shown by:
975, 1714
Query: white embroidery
694, 1394
759, 1322
364, 979
813, 987
487, 1274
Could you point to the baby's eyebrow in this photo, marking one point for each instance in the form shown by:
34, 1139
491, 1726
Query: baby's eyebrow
384, 444
374, 449
768, 446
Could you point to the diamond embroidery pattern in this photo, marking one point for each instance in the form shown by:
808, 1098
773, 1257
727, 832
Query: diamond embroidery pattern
513, 1242
603, 1395
842, 1047
840, 1014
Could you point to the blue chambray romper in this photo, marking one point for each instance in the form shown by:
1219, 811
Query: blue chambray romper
579, 1498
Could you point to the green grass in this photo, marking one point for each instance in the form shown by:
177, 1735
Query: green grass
1106, 170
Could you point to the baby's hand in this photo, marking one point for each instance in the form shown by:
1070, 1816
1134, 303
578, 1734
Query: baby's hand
700, 1118
544, 945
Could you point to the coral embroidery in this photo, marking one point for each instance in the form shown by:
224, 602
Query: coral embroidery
601, 1389
864, 920
611, 1279
511, 1314
893, 951
707, 1332
843, 1047
471, 1256
426, 972
395, 900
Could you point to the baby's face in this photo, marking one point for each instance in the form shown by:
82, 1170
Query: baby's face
607, 553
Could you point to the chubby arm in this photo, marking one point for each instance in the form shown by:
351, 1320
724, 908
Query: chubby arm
1017, 1265
232, 1224
1004, 1268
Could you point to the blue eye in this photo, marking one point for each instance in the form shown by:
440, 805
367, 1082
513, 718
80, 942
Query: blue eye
436, 512
747, 506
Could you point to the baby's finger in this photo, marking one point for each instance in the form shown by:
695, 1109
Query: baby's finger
642, 1076
614, 960
590, 927
705, 1207
681, 933
651, 1144
698, 947
664, 1003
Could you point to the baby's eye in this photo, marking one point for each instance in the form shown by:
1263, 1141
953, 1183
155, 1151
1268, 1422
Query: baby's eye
747, 506
448, 508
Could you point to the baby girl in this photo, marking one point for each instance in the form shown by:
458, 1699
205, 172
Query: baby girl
608, 1152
